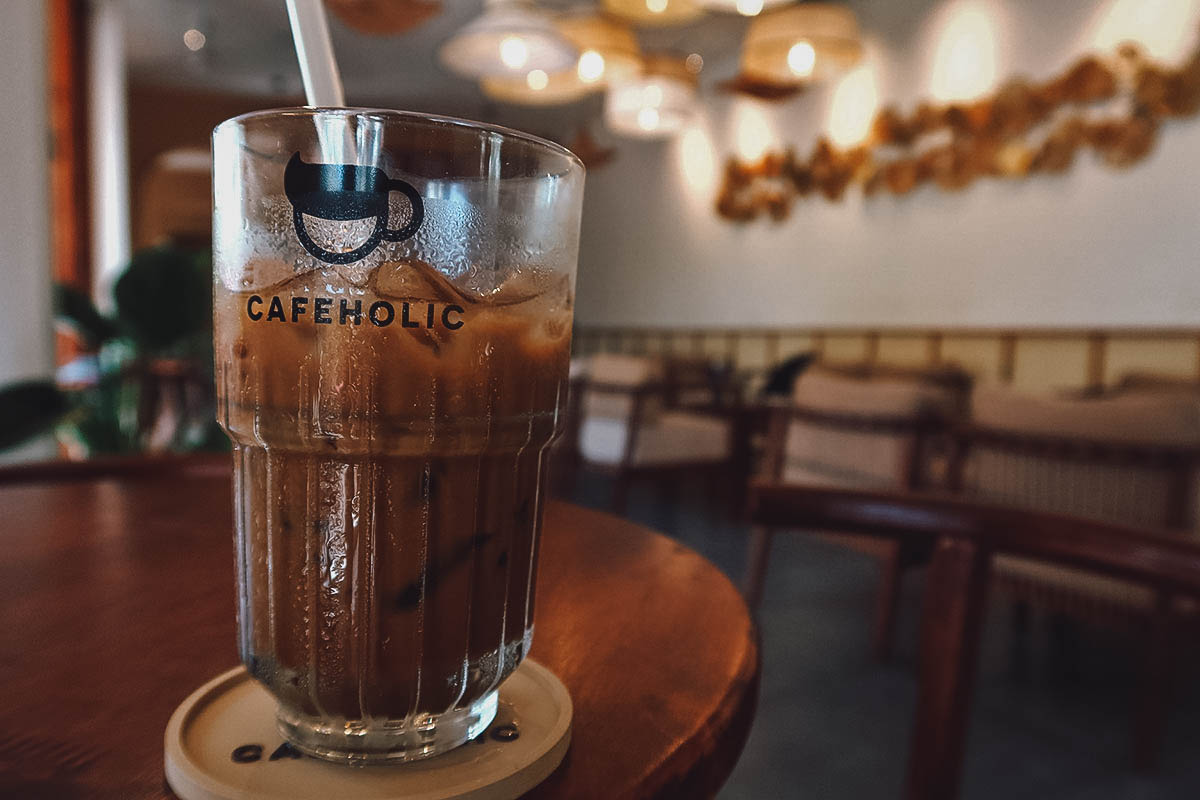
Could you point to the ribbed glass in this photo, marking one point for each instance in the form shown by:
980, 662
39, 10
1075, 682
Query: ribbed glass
390, 415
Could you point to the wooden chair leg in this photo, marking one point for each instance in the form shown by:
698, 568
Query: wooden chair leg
887, 603
951, 619
1157, 679
758, 553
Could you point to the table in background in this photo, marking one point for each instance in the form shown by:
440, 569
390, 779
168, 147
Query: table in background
117, 600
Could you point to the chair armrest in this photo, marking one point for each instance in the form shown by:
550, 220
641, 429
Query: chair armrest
1162, 559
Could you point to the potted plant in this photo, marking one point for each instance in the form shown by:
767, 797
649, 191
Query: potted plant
145, 381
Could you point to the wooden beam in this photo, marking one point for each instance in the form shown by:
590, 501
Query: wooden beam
934, 348
1008, 357
871, 354
1097, 354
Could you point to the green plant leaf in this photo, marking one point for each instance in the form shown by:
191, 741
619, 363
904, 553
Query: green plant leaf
77, 308
29, 409
164, 298
104, 421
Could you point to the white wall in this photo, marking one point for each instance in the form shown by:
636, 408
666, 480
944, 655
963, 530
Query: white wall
26, 335
1095, 246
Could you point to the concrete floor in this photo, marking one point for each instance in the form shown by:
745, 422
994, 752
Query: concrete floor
834, 724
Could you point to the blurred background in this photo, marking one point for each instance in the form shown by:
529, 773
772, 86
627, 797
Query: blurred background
905, 226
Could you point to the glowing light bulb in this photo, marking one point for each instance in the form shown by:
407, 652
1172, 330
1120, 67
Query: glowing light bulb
966, 59
652, 96
537, 80
647, 118
697, 160
801, 59
1165, 28
656, 6
752, 131
591, 66
749, 8
513, 52
193, 39
852, 108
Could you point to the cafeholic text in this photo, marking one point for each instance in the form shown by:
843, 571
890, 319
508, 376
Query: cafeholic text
344, 311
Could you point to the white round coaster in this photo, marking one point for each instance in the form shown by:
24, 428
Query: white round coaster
221, 744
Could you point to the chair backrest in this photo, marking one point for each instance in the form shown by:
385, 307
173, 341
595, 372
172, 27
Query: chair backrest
697, 383
614, 381
963, 537
1123, 458
849, 429
1155, 382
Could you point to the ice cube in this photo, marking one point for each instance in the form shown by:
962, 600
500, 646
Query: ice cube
339, 236
547, 286
415, 280
263, 273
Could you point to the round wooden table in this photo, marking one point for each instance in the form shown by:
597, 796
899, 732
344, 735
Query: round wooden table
117, 600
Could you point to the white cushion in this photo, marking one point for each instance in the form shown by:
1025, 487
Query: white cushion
825, 455
1126, 493
624, 370
621, 370
1152, 383
824, 390
1143, 417
673, 437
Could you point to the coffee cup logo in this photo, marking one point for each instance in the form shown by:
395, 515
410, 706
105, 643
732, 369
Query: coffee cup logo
344, 192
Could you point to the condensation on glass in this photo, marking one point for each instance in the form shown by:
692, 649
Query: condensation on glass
393, 306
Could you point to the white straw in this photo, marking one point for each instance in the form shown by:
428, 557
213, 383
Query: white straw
314, 50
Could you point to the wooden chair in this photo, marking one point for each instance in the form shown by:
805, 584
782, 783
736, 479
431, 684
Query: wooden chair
859, 427
962, 539
1126, 458
909, 437
634, 418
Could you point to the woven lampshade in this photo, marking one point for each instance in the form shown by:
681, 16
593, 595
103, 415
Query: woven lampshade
656, 104
801, 44
747, 8
609, 53
614, 41
510, 38
655, 13
537, 89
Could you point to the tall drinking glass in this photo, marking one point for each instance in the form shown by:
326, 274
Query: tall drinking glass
393, 303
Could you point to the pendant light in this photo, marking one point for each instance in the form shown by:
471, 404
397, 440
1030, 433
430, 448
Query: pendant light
801, 44
655, 105
608, 53
510, 38
655, 13
747, 8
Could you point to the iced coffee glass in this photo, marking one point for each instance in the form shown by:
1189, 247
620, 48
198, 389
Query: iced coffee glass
393, 301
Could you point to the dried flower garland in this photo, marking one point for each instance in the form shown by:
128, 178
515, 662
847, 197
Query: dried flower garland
952, 145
